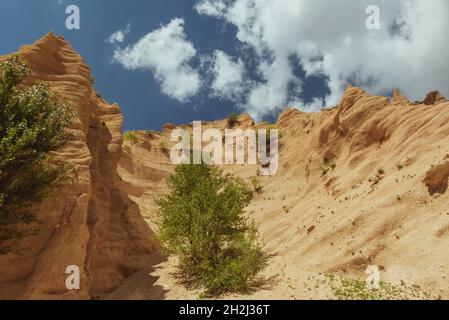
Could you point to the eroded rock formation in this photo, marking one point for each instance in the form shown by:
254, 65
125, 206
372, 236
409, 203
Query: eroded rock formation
90, 222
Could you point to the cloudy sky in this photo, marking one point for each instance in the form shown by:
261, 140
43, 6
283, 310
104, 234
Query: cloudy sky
178, 61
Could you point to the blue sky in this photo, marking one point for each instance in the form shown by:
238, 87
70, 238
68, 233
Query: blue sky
243, 55
137, 93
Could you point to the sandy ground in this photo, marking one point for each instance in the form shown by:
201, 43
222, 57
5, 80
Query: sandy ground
356, 187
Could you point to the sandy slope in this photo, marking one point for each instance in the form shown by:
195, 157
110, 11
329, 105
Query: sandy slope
385, 202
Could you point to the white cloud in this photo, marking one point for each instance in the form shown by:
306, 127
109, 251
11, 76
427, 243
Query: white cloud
119, 36
211, 8
167, 53
329, 38
228, 76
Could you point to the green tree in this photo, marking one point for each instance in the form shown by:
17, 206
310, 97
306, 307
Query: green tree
202, 222
31, 127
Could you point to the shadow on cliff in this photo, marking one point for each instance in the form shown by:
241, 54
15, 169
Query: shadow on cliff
122, 247
142, 285
145, 287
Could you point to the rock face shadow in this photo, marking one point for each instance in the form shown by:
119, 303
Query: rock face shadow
141, 285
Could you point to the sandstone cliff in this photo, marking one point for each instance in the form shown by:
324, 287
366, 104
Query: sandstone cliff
90, 222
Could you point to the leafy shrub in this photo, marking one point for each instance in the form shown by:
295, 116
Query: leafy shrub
131, 136
201, 221
232, 119
31, 127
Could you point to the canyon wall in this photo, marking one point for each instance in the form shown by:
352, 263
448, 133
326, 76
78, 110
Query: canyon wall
89, 222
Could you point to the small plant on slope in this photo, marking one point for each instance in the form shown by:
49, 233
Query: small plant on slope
131, 136
352, 289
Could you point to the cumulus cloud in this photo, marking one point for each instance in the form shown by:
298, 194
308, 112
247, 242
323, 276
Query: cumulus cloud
228, 76
167, 53
119, 36
329, 39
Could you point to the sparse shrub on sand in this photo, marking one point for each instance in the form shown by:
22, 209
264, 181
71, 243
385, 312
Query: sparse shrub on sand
202, 222
131, 137
352, 289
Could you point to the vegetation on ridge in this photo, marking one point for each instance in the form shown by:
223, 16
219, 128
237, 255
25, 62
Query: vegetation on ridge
131, 136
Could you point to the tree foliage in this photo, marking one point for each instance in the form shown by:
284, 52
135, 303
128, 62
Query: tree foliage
31, 127
131, 136
202, 221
